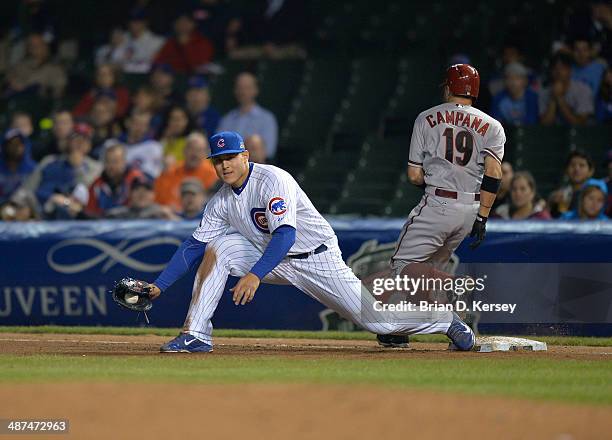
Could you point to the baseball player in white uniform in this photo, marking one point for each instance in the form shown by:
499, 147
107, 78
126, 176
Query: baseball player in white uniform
261, 227
455, 153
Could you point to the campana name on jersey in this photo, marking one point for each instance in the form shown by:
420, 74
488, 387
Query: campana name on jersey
458, 119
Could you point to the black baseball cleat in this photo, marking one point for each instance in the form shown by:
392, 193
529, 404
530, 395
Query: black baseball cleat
392, 341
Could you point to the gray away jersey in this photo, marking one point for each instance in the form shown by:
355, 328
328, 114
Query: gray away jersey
271, 198
450, 141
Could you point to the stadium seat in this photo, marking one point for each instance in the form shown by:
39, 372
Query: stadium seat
542, 151
318, 96
338, 24
292, 158
278, 83
370, 84
414, 92
364, 207
406, 197
595, 140
323, 178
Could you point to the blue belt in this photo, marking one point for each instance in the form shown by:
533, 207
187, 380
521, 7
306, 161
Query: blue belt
318, 250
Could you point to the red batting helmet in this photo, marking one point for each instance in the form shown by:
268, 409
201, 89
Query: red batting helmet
463, 80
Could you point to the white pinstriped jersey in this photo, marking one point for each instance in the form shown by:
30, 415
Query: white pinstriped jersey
271, 198
450, 142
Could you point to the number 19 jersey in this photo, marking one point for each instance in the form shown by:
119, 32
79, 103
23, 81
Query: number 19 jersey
450, 142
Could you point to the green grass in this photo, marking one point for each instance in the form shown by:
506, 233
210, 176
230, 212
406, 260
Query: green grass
534, 378
293, 334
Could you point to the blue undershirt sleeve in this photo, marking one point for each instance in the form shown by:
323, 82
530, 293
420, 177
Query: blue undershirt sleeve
283, 238
185, 257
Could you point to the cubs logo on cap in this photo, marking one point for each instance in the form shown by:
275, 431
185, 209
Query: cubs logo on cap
277, 206
226, 142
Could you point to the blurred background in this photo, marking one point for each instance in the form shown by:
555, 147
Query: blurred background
106, 107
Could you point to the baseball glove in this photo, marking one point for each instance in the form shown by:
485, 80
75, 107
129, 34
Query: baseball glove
132, 294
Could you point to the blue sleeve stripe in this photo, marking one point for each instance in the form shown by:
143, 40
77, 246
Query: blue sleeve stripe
282, 239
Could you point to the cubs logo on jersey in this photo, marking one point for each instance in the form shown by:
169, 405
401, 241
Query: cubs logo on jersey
277, 206
258, 216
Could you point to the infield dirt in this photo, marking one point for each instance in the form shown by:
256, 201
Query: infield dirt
101, 410
113, 345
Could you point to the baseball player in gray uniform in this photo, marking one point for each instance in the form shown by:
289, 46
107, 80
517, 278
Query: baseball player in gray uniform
455, 154
260, 226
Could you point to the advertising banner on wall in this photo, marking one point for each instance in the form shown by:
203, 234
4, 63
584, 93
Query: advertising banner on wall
60, 273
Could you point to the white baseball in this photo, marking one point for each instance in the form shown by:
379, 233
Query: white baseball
131, 299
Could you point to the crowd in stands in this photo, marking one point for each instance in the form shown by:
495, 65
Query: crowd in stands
117, 154
581, 198
141, 155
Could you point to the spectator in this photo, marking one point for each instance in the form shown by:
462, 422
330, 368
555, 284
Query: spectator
104, 121
173, 134
106, 78
516, 104
603, 105
21, 207
37, 73
511, 52
15, 163
586, 69
141, 45
579, 167
193, 199
275, 30
249, 118
256, 148
23, 122
608, 181
197, 99
113, 52
143, 151
601, 16
593, 21
591, 202
187, 51
566, 101
141, 204
215, 20
112, 188
523, 200
162, 83
503, 195
195, 165
63, 125
60, 184
144, 101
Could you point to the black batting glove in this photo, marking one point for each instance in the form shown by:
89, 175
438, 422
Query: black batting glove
479, 230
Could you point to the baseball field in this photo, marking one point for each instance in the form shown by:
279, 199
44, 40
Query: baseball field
113, 383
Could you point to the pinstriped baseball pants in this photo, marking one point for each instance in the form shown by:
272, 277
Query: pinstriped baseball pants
324, 277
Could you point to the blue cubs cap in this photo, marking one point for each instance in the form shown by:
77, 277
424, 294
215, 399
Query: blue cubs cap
197, 82
164, 67
12, 134
226, 142
138, 14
